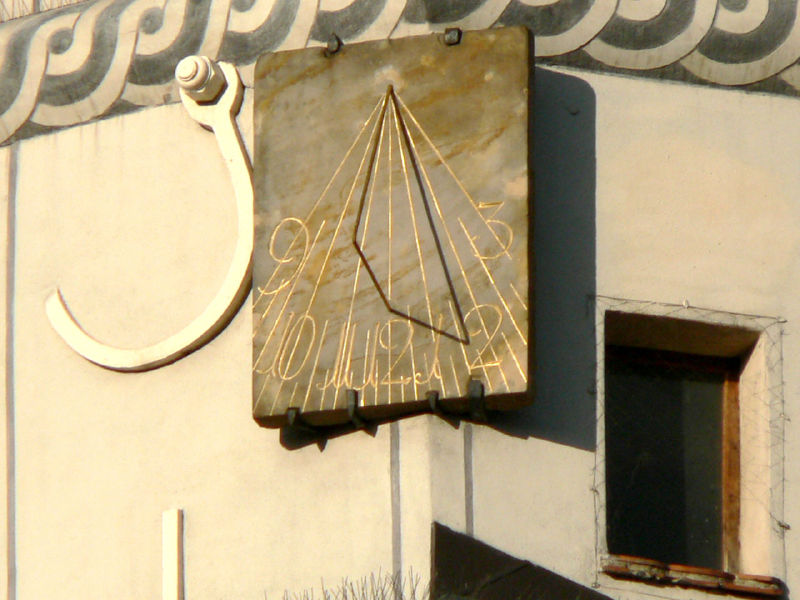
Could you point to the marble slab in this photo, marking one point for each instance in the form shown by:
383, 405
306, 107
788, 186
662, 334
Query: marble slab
392, 227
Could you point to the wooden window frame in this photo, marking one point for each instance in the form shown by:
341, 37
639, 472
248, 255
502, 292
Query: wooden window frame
730, 369
731, 474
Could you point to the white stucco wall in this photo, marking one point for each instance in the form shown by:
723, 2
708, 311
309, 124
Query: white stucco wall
694, 198
5, 354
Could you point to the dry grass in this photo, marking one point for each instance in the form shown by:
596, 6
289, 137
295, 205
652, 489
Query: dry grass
374, 587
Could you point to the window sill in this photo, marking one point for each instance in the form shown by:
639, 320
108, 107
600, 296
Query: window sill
653, 571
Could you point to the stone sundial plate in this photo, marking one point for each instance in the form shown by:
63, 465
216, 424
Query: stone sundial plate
391, 235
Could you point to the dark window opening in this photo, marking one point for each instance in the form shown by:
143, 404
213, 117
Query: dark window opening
671, 431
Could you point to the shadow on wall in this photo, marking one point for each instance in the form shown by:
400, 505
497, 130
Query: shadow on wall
564, 170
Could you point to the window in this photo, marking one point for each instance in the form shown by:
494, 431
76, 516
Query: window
672, 480
681, 436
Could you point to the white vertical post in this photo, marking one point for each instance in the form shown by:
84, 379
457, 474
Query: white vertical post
172, 554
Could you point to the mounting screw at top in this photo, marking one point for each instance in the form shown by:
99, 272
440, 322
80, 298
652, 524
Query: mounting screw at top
452, 36
201, 77
334, 45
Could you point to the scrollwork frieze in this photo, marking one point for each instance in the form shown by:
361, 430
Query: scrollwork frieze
98, 58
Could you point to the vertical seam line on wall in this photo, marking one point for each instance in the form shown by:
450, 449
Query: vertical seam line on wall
782, 448
468, 487
11, 534
394, 467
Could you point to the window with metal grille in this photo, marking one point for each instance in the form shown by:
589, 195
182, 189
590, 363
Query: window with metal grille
691, 447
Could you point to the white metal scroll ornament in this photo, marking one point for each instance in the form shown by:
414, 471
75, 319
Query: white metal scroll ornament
212, 94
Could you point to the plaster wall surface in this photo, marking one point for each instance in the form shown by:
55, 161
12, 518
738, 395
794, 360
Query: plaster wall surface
7, 167
645, 190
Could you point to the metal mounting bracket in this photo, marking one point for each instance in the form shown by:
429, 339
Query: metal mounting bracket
212, 95
477, 401
352, 410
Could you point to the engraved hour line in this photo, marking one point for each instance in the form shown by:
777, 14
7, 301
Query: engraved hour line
464, 352
455, 375
362, 386
402, 388
414, 224
266, 372
389, 281
435, 369
324, 389
342, 365
273, 366
492, 281
513, 356
257, 406
326, 383
376, 364
341, 360
281, 343
316, 362
274, 406
431, 371
329, 184
369, 378
519, 297
263, 316
341, 350
437, 365
288, 296
460, 264
373, 168
300, 324
369, 367
347, 377
413, 363
449, 170
365, 379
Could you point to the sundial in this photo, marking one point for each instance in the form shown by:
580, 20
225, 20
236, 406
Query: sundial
391, 227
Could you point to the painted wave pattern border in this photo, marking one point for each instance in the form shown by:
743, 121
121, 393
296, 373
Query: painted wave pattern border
99, 58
